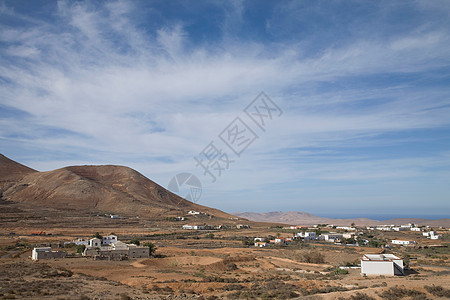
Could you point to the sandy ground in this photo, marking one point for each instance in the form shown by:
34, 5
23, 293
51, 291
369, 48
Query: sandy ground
193, 266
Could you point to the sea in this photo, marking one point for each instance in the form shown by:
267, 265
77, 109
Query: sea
383, 217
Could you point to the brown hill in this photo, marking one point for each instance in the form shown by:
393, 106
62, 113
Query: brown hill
115, 189
303, 218
11, 172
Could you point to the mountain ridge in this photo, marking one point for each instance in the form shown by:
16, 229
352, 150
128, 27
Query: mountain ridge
108, 188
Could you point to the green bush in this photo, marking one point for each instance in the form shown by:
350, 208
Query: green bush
339, 271
151, 246
135, 241
80, 248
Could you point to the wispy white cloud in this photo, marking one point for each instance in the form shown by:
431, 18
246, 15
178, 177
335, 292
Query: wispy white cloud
115, 88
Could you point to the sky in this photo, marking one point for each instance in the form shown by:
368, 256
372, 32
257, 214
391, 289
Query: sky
337, 108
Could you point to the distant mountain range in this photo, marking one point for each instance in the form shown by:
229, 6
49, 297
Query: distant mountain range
107, 188
304, 218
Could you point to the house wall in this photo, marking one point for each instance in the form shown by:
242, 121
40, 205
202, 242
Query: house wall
399, 264
108, 240
37, 255
113, 254
139, 252
377, 268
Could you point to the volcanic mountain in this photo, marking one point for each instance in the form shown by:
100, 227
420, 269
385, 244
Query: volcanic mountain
107, 188
11, 172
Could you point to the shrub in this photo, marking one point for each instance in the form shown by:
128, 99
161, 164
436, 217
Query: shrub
151, 246
314, 257
135, 241
438, 291
339, 271
400, 293
361, 296
80, 248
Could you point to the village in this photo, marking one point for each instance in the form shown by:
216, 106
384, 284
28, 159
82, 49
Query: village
370, 263
195, 254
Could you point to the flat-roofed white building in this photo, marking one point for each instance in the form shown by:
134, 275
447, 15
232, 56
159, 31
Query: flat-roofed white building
400, 228
309, 235
46, 253
401, 242
109, 239
381, 264
194, 227
116, 250
332, 236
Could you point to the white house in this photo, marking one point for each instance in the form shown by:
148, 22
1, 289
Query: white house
109, 239
280, 241
331, 237
416, 229
348, 235
261, 244
401, 242
385, 227
193, 212
400, 228
95, 242
78, 242
434, 236
194, 227
346, 228
46, 253
114, 249
242, 226
429, 233
310, 235
381, 264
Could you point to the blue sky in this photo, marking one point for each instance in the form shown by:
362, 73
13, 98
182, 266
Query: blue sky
364, 89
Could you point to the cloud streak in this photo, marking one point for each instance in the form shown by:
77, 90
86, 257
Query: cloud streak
104, 84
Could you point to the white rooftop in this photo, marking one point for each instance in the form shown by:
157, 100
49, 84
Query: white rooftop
380, 257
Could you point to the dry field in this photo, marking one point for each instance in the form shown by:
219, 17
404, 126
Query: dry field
197, 265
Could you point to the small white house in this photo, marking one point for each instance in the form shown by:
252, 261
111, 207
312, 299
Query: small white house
310, 235
384, 228
416, 229
381, 264
348, 235
46, 253
193, 212
400, 228
401, 242
194, 227
346, 228
434, 236
78, 242
95, 242
331, 237
109, 239
261, 244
